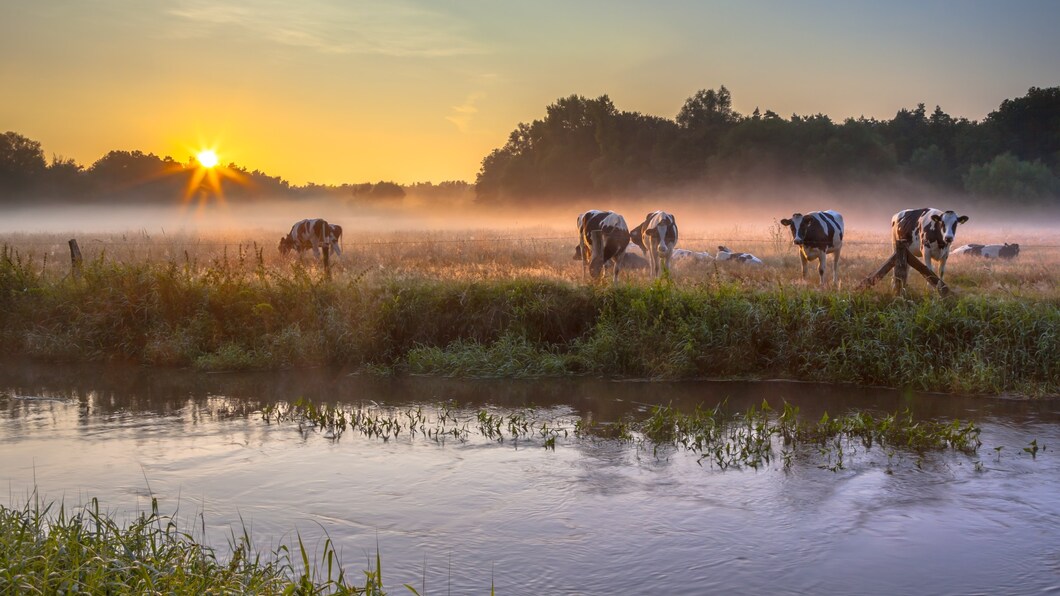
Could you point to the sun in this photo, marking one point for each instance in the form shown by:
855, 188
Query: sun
207, 158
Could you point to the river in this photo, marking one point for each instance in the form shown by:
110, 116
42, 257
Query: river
592, 516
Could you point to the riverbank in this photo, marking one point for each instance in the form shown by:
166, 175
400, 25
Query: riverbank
242, 315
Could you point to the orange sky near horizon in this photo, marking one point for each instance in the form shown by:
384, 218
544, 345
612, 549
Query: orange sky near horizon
331, 92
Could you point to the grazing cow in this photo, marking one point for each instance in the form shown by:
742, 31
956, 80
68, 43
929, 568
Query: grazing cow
657, 238
817, 234
312, 234
929, 232
989, 251
581, 252
603, 237
724, 254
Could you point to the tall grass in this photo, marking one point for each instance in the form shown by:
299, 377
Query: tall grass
48, 549
240, 312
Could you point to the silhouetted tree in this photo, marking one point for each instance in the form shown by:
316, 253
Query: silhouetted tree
21, 162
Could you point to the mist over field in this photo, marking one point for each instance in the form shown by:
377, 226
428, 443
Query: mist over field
727, 214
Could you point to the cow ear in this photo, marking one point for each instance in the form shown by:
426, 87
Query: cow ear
785, 222
962, 219
936, 217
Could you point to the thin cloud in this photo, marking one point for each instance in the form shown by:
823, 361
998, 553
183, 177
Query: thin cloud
464, 113
375, 27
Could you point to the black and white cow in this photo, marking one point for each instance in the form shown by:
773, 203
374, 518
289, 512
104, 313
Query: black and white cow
817, 234
724, 254
680, 254
989, 251
929, 232
581, 252
312, 234
603, 237
657, 238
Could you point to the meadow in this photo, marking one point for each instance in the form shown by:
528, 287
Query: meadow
513, 302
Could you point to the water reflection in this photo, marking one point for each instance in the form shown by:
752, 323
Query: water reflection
592, 517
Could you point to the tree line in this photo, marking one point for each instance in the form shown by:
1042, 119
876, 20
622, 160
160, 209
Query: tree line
588, 147
138, 177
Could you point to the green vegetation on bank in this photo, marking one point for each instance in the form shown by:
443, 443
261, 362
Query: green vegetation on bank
238, 314
49, 549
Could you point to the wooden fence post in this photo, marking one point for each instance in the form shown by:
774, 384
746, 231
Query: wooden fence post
76, 261
901, 266
901, 261
327, 260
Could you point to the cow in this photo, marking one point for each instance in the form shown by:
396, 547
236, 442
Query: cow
817, 234
724, 254
680, 254
657, 238
633, 262
581, 252
312, 234
603, 237
989, 251
929, 233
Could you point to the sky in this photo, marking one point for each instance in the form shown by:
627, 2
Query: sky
335, 91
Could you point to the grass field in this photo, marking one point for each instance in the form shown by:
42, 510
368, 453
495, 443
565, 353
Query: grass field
514, 303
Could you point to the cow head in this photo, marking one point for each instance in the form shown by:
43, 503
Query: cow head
286, 245
949, 221
1009, 251
797, 224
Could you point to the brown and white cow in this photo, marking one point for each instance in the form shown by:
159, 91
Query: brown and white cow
817, 234
657, 238
989, 251
929, 232
603, 237
312, 234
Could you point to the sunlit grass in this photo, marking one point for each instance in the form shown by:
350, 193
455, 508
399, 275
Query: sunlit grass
497, 306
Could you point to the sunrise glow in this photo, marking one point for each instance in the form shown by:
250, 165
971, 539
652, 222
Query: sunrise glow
207, 158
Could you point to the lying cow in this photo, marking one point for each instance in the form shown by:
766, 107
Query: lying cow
989, 251
817, 234
929, 232
603, 237
657, 238
724, 254
680, 254
312, 234
634, 262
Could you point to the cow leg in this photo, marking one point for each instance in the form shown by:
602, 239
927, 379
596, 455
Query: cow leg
802, 258
942, 264
835, 270
666, 262
927, 254
822, 259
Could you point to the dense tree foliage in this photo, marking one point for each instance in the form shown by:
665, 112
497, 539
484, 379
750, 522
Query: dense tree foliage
588, 147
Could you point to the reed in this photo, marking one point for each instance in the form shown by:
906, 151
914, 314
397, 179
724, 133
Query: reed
47, 548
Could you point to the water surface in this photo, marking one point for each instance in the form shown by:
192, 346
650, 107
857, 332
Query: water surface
592, 516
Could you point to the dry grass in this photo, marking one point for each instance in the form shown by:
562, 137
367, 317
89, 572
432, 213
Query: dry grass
545, 254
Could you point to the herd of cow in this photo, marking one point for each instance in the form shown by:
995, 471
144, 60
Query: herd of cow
603, 238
